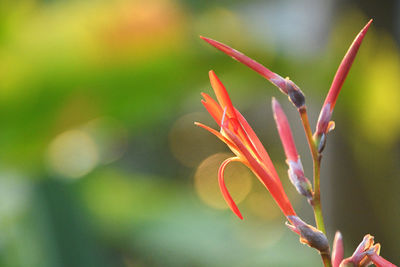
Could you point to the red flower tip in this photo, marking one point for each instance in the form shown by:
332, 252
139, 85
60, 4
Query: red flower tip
221, 94
285, 133
274, 78
337, 250
344, 68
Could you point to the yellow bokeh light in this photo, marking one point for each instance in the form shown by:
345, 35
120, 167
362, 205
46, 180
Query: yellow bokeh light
238, 180
72, 154
262, 205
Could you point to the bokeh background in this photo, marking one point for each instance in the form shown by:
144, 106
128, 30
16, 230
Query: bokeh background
101, 165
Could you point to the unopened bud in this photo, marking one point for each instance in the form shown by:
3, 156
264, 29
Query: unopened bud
300, 182
337, 250
309, 235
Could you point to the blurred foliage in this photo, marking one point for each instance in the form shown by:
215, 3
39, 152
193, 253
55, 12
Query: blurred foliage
99, 152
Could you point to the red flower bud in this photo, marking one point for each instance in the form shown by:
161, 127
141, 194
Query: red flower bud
295, 172
338, 80
337, 250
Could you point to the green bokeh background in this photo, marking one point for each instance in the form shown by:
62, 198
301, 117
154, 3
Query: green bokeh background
99, 151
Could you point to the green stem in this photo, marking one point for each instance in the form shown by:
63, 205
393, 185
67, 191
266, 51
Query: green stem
319, 218
316, 203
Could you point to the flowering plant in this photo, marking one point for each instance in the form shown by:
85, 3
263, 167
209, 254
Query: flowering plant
237, 134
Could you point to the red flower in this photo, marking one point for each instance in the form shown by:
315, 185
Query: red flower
244, 143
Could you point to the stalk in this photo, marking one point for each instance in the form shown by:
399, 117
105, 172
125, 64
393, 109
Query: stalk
316, 202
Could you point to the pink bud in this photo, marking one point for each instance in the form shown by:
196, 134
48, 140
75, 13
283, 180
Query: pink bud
344, 67
338, 80
337, 250
295, 172
285, 133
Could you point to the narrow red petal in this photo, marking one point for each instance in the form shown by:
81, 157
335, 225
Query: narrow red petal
337, 250
344, 67
212, 107
265, 72
264, 157
379, 261
285, 133
223, 188
222, 95
264, 175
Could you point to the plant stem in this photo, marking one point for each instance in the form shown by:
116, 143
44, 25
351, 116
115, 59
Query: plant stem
307, 130
316, 203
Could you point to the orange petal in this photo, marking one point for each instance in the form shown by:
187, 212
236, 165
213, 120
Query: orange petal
264, 175
223, 188
212, 107
222, 95
257, 144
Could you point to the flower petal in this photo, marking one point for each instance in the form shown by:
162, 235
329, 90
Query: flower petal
221, 94
264, 157
212, 107
223, 188
264, 175
379, 261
